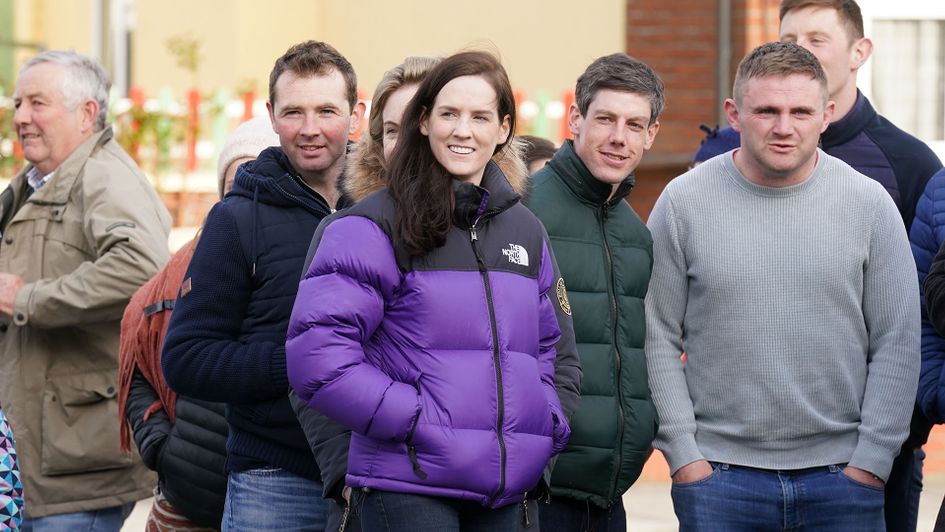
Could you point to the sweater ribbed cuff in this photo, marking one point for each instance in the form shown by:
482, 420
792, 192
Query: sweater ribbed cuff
873, 458
680, 451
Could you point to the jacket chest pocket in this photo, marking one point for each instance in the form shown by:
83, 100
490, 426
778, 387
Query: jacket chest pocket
45, 241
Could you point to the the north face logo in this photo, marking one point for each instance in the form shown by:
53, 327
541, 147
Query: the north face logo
516, 254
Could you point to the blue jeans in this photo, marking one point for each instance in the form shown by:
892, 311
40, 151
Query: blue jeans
104, 520
564, 514
387, 511
273, 499
735, 498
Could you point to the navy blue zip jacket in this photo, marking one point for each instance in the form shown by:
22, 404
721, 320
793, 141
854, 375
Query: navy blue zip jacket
226, 339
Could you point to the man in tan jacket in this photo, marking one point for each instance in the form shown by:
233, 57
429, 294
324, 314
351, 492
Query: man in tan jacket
81, 229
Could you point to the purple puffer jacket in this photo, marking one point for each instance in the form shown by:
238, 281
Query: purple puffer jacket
442, 365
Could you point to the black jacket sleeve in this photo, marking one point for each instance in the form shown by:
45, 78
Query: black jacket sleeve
149, 435
203, 356
329, 442
568, 373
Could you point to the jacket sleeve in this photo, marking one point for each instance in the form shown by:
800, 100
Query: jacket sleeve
891, 316
127, 227
568, 373
665, 312
203, 356
549, 338
329, 442
340, 304
925, 239
328, 439
149, 435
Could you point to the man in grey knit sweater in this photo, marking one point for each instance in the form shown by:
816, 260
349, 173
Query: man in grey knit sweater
787, 279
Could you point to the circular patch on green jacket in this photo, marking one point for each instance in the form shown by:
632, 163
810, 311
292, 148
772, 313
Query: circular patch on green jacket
563, 296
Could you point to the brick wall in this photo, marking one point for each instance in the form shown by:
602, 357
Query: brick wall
680, 41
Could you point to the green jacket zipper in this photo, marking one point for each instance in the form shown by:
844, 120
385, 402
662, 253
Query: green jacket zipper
612, 294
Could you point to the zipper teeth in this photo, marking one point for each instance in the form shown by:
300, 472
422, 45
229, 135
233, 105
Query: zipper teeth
612, 289
500, 420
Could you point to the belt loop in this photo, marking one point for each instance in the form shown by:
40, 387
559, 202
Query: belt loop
833, 468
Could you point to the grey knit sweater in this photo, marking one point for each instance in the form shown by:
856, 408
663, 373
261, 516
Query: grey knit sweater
798, 309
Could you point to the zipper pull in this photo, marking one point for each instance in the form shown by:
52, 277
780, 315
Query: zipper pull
472, 234
345, 517
526, 522
412, 453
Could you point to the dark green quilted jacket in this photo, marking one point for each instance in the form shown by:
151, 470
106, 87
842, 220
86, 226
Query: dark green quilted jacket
605, 254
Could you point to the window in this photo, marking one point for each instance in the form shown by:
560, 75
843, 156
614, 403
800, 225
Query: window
908, 75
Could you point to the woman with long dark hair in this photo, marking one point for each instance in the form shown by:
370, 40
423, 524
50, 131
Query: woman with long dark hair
425, 324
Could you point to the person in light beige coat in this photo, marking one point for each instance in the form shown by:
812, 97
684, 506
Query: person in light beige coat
81, 228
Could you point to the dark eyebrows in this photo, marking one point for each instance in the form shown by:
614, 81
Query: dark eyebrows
444, 107
774, 110
611, 114
764, 109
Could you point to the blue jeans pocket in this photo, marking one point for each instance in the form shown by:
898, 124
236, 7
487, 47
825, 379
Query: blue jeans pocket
861, 485
705, 480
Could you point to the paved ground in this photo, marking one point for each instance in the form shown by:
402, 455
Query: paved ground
649, 508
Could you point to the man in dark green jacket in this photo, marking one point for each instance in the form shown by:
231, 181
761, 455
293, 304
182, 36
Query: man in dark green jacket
605, 254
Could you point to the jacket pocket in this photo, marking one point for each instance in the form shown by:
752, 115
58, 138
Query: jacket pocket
411, 446
80, 424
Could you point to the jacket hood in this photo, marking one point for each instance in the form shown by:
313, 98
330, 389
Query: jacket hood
364, 173
270, 179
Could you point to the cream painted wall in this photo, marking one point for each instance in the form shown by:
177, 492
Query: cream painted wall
544, 44
239, 40
55, 24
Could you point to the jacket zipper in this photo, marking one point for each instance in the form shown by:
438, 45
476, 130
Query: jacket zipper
612, 294
500, 421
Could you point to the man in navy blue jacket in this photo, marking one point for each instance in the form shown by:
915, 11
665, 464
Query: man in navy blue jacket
833, 31
226, 339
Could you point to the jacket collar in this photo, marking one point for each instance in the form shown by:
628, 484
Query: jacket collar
582, 183
844, 129
56, 190
271, 179
492, 196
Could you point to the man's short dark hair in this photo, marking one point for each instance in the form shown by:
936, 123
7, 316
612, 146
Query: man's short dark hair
778, 59
314, 58
620, 72
848, 10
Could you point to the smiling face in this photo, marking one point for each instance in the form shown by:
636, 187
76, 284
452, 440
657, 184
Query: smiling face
313, 119
611, 139
48, 130
393, 115
780, 119
464, 127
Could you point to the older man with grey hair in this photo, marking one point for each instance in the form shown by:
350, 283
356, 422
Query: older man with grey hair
81, 228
